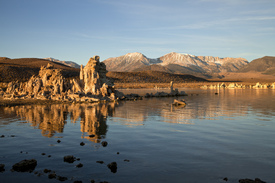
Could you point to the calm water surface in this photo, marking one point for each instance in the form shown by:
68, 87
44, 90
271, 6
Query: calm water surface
215, 136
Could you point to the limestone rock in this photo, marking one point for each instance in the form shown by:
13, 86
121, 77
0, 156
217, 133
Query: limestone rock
93, 76
179, 102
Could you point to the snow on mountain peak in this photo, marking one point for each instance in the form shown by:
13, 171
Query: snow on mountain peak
135, 54
68, 63
132, 61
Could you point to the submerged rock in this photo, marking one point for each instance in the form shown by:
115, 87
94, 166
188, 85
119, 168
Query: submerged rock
113, 167
25, 165
104, 143
61, 178
257, 180
2, 167
52, 176
79, 165
47, 170
69, 159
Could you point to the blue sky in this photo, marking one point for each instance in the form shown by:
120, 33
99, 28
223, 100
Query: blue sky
76, 30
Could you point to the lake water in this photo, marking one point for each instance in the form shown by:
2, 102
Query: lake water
230, 135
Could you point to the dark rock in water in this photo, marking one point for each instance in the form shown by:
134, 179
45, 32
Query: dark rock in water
79, 165
91, 135
58, 141
2, 167
2, 136
92, 181
69, 159
52, 176
25, 165
82, 143
225, 179
101, 162
127, 160
77, 181
104, 143
60, 178
47, 170
257, 180
43, 154
113, 167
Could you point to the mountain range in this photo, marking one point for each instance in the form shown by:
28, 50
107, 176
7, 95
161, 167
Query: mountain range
68, 63
136, 66
175, 63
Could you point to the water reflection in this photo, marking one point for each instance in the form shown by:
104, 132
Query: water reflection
201, 104
205, 104
51, 119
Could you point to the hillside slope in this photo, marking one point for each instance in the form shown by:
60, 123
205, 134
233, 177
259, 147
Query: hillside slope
23, 68
151, 77
264, 65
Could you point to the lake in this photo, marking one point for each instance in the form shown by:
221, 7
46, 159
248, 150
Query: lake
230, 135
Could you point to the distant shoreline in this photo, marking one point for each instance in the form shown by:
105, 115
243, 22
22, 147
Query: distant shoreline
180, 85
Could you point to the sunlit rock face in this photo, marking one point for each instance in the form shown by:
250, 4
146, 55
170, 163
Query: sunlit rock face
93, 78
49, 81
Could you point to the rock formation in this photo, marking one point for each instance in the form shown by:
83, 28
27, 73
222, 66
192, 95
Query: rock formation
93, 78
92, 85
